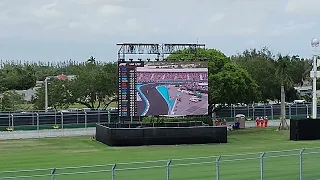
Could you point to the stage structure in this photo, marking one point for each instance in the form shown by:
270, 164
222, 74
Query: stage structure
127, 69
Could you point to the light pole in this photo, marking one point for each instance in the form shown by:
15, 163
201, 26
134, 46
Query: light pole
46, 94
314, 75
59, 77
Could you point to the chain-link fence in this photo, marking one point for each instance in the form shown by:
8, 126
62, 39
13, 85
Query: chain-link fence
286, 164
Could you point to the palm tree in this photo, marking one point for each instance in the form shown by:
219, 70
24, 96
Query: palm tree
282, 72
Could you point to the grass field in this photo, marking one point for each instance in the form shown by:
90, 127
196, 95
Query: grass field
82, 151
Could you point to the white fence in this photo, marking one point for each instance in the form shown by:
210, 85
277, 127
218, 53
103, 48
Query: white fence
286, 164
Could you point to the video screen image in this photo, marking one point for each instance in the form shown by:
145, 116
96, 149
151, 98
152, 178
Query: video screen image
176, 89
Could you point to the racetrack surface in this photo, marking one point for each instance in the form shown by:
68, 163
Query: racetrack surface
157, 105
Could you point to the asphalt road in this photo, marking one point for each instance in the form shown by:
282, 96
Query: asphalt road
157, 105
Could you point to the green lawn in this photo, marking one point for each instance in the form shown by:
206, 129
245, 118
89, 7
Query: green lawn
80, 151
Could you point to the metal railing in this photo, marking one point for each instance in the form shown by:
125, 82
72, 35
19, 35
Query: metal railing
272, 111
82, 119
54, 120
286, 164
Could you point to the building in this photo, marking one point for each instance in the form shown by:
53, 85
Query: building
306, 91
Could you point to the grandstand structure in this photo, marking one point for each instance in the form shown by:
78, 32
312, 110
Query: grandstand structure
172, 75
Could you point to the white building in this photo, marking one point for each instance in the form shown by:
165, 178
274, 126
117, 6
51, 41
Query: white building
306, 90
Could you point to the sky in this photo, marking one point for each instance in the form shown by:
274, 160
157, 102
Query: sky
58, 30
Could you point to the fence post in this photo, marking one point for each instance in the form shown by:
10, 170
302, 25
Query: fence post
307, 110
98, 115
12, 124
218, 167
38, 122
32, 115
113, 173
271, 112
290, 112
262, 165
52, 173
85, 119
109, 116
168, 169
61, 120
9, 121
77, 117
300, 163
253, 114
55, 117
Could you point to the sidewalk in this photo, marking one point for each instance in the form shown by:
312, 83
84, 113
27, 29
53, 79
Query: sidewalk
47, 133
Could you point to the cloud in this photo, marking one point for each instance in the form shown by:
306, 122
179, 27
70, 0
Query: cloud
62, 18
305, 7
238, 18
90, 20
291, 27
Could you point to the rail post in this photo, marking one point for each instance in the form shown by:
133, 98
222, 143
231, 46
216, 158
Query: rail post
61, 120
253, 113
300, 164
52, 173
262, 165
109, 116
12, 124
98, 115
168, 169
113, 171
290, 113
218, 167
271, 112
55, 117
38, 124
85, 119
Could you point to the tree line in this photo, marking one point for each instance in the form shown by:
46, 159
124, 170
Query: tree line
255, 75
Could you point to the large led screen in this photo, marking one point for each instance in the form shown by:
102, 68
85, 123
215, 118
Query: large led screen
175, 89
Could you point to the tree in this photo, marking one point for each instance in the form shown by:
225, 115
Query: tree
228, 82
14, 77
95, 83
58, 95
95, 86
299, 70
10, 101
260, 65
232, 85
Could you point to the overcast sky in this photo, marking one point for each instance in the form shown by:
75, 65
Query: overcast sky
51, 30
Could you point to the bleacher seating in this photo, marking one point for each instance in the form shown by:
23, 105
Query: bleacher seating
143, 77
